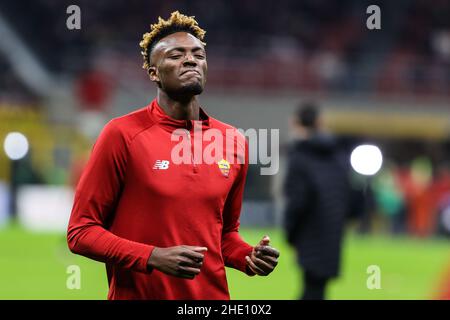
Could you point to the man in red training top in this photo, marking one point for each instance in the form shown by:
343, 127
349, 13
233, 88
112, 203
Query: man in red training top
166, 230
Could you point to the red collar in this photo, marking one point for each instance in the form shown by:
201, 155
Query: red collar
157, 113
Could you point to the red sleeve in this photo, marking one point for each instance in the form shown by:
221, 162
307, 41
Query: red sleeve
234, 249
96, 196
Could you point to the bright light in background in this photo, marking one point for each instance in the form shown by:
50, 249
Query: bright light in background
366, 159
15, 145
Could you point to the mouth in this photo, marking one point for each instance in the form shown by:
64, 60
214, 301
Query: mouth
190, 72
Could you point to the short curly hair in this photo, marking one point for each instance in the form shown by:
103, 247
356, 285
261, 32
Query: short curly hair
176, 23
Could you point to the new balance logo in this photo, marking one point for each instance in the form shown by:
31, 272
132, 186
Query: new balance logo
161, 165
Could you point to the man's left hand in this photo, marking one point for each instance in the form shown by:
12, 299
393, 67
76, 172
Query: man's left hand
263, 259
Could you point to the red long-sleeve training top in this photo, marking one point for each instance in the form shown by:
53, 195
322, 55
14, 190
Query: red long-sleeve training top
131, 197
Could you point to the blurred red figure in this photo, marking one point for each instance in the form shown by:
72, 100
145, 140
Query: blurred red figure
417, 187
423, 197
93, 89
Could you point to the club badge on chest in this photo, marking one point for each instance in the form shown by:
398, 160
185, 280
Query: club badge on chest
224, 167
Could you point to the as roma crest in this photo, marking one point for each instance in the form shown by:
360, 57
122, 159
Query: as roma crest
224, 167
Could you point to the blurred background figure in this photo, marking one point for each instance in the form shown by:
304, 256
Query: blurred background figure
317, 190
390, 200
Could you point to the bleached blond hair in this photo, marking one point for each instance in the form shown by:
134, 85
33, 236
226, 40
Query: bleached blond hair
176, 23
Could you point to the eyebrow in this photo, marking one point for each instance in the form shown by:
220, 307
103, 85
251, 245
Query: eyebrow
183, 49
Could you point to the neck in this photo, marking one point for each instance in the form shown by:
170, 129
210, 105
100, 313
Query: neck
180, 109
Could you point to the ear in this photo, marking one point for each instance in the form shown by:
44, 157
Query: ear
153, 74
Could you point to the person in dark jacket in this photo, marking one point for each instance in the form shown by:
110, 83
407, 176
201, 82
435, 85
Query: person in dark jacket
317, 192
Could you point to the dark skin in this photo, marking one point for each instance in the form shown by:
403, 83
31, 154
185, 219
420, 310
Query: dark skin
179, 67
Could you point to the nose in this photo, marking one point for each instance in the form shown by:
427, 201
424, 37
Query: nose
189, 60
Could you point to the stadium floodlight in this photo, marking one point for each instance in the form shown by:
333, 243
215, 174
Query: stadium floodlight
366, 159
15, 145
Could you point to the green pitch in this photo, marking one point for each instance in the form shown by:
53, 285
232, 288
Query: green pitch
34, 266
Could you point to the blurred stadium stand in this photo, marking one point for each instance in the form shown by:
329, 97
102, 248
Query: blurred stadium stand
389, 86
300, 45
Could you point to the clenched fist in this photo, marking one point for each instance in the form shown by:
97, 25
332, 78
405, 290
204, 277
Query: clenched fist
263, 258
179, 261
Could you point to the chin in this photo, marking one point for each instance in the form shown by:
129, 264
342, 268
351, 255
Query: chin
192, 89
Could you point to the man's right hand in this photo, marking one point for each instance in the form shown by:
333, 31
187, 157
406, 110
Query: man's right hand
180, 261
